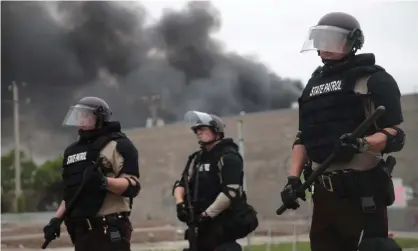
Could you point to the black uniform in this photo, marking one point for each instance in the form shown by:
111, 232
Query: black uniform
95, 220
351, 197
211, 174
338, 218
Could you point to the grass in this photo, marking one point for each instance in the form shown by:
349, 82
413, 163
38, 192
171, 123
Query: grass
301, 246
407, 242
304, 246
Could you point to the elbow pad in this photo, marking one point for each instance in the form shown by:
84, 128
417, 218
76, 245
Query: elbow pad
394, 143
232, 193
132, 190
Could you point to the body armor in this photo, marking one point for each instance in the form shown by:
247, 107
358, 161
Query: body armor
329, 107
77, 158
205, 183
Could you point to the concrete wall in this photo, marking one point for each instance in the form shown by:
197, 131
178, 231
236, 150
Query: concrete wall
268, 139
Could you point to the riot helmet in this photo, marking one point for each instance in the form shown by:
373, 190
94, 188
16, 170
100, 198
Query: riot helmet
201, 119
336, 32
88, 112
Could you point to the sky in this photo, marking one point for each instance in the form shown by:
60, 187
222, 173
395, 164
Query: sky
273, 32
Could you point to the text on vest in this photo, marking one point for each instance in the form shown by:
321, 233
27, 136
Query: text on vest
325, 88
76, 157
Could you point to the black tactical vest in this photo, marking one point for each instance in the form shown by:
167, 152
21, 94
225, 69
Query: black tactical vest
77, 158
205, 185
329, 107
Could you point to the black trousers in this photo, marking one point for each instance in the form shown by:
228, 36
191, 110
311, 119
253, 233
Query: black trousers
212, 236
97, 238
337, 222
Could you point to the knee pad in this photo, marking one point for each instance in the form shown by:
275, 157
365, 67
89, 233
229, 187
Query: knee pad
230, 246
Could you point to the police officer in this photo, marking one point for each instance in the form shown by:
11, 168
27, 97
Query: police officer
100, 218
351, 197
215, 179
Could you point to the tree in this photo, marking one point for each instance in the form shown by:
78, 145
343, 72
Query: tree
47, 180
28, 169
48, 173
41, 185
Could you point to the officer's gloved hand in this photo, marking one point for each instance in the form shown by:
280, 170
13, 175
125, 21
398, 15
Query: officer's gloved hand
347, 147
100, 178
290, 194
53, 229
204, 217
96, 177
181, 212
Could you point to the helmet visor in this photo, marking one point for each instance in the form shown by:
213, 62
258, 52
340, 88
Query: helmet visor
328, 39
196, 119
81, 116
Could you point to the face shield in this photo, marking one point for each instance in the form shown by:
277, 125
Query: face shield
328, 39
196, 119
80, 116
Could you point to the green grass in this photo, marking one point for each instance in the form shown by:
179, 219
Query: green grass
407, 242
301, 246
304, 246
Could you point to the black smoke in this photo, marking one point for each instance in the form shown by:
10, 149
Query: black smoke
66, 50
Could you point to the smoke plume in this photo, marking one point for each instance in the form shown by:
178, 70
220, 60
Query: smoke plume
67, 50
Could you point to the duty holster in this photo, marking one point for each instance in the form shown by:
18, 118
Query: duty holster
112, 228
377, 193
307, 172
372, 241
388, 167
370, 185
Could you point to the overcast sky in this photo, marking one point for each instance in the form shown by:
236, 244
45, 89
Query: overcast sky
274, 31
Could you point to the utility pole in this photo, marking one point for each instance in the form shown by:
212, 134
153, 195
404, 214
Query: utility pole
153, 103
241, 144
242, 152
16, 126
18, 187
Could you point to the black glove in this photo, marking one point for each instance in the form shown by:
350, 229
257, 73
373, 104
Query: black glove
347, 147
53, 229
100, 179
182, 212
95, 176
289, 193
204, 218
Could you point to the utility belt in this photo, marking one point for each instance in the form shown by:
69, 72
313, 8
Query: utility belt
97, 222
111, 225
372, 189
338, 181
348, 183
